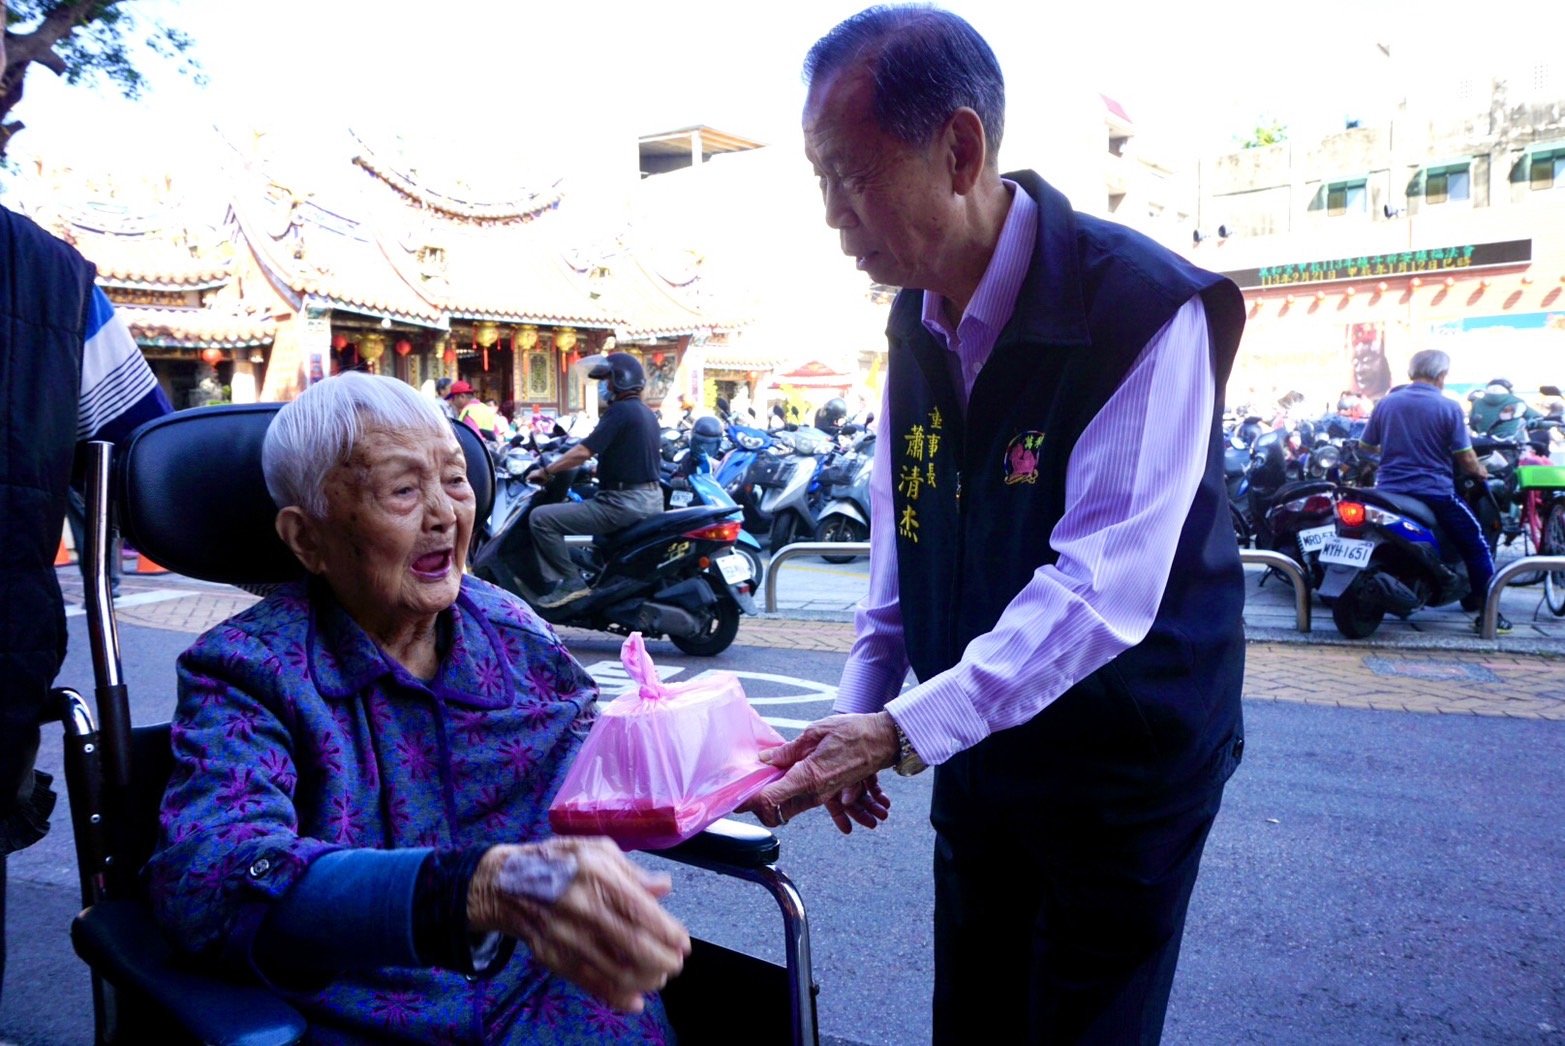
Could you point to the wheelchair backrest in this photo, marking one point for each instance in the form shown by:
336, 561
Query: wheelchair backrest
191, 497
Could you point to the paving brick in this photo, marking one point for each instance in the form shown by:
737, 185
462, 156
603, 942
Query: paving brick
1315, 673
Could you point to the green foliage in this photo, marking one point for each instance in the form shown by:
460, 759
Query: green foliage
1267, 132
85, 41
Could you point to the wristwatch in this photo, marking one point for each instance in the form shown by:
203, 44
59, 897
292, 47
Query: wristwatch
908, 761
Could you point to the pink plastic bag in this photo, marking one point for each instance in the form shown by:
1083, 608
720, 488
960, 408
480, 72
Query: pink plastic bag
664, 760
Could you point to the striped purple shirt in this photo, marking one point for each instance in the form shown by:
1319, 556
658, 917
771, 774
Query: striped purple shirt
1129, 485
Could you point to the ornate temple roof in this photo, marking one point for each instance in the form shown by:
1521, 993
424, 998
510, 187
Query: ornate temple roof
149, 245
197, 328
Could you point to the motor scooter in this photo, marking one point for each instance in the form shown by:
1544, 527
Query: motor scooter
673, 574
844, 483
787, 478
691, 482
1386, 556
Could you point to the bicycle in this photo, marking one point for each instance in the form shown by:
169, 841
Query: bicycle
1543, 507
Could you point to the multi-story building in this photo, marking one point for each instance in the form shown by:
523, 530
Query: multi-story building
1439, 225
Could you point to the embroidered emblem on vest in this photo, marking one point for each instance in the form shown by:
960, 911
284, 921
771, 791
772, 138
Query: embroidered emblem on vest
1021, 457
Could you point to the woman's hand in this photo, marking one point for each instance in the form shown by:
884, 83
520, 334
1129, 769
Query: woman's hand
605, 932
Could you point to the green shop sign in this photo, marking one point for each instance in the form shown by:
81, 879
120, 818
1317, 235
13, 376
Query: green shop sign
1379, 266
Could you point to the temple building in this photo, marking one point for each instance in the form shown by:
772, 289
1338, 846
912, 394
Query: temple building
286, 278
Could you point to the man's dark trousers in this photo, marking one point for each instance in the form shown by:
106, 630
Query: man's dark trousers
1058, 917
1458, 523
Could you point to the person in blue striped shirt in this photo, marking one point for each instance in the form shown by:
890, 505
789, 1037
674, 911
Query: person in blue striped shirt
69, 371
118, 392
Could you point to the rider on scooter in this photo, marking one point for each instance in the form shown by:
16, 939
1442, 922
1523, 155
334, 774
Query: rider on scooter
1418, 433
626, 441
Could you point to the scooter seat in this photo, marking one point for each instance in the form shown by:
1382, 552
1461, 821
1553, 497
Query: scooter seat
661, 522
1406, 504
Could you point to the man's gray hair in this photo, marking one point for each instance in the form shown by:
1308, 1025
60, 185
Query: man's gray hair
925, 64
319, 430
1429, 364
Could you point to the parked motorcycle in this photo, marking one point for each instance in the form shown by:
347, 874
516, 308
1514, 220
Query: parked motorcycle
674, 574
786, 478
844, 484
1386, 556
689, 482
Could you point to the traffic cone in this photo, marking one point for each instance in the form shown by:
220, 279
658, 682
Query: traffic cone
146, 566
62, 558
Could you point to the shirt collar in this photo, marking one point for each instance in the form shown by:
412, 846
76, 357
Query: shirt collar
475, 672
994, 299
1050, 308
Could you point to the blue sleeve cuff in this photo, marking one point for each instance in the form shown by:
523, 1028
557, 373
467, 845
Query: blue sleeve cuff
353, 909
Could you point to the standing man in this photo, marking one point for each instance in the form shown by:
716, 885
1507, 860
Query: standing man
1052, 553
626, 441
1419, 435
472, 411
69, 372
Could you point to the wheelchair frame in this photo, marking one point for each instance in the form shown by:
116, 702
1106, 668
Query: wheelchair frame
132, 965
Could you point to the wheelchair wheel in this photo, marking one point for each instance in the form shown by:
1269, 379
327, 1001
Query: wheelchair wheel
1553, 544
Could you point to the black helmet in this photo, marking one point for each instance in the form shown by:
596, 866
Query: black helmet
830, 415
1503, 382
707, 427
622, 371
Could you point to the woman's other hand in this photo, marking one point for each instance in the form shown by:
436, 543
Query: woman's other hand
604, 930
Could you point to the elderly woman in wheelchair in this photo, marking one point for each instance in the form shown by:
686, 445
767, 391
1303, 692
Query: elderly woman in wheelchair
363, 763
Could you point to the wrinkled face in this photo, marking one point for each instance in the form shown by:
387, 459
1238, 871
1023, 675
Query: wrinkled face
891, 203
399, 516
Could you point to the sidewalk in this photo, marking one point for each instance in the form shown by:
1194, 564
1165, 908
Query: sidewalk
1469, 679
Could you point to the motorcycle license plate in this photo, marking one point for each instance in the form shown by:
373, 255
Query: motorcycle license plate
1346, 552
680, 498
734, 568
1312, 539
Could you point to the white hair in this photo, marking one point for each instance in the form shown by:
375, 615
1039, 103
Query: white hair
318, 431
1429, 364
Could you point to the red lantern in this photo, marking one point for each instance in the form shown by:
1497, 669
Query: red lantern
657, 359
450, 358
339, 342
404, 347
212, 356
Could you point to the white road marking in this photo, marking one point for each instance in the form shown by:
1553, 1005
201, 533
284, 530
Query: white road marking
612, 674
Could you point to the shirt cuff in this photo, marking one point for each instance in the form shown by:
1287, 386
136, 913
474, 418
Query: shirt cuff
938, 719
352, 909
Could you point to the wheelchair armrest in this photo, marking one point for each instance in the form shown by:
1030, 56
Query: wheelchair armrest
734, 844
122, 944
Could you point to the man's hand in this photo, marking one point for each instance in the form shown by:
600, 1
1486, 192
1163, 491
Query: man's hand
833, 762
606, 933
538, 477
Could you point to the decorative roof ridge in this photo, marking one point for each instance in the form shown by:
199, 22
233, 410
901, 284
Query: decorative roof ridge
499, 213
133, 279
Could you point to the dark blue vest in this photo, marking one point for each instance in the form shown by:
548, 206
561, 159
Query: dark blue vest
977, 497
45, 290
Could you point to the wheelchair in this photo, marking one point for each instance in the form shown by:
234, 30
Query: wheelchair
187, 491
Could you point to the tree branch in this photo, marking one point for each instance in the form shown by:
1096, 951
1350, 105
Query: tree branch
38, 45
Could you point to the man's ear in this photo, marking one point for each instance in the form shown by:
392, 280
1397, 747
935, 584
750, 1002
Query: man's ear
302, 535
968, 149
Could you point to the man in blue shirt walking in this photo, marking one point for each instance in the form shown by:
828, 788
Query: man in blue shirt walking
1419, 433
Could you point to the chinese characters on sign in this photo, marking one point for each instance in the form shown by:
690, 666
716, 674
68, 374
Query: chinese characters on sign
1395, 263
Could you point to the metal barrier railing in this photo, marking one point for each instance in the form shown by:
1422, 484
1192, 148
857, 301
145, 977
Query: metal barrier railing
1256, 556
806, 548
1289, 569
1489, 623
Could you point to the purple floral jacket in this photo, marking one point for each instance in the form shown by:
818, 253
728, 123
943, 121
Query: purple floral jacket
295, 736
